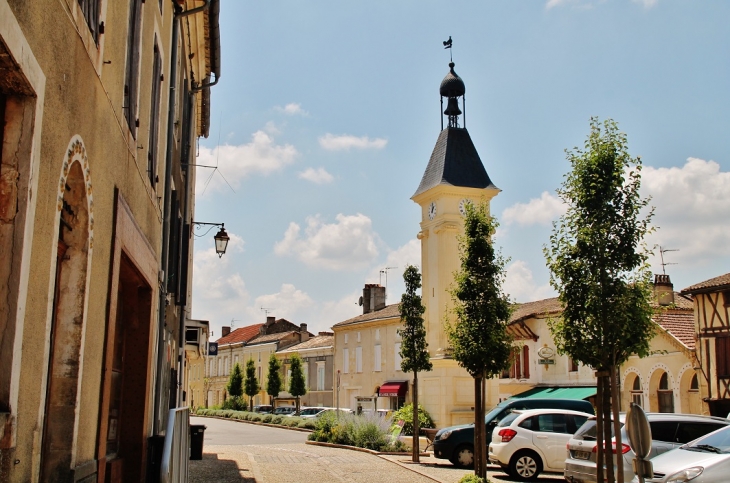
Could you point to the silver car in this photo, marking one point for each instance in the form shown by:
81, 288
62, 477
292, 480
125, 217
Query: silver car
705, 460
668, 430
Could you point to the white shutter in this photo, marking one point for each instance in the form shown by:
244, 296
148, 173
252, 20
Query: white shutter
397, 358
377, 359
358, 358
345, 360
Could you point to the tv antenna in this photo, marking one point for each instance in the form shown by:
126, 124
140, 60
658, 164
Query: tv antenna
234, 320
267, 310
662, 251
385, 271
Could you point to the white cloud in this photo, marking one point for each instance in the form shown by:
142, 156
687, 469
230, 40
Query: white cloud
348, 244
521, 286
261, 156
692, 204
285, 303
330, 142
318, 176
292, 109
538, 211
647, 3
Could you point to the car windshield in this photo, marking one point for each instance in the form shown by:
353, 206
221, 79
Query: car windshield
588, 430
309, 411
717, 442
496, 414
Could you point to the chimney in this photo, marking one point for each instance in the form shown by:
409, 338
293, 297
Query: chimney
373, 298
663, 290
225, 331
264, 328
303, 334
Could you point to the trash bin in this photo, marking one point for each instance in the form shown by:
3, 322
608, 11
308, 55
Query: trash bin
196, 441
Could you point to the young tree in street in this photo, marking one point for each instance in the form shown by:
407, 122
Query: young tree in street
273, 380
599, 266
413, 348
297, 383
479, 338
250, 384
235, 383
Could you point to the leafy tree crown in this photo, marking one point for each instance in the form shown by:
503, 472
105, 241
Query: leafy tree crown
297, 383
250, 383
273, 382
235, 381
597, 258
478, 337
413, 348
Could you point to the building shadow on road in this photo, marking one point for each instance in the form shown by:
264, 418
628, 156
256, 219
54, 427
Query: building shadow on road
212, 469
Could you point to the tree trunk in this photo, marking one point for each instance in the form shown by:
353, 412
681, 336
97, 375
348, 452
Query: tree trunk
617, 426
480, 468
600, 462
416, 429
610, 474
483, 413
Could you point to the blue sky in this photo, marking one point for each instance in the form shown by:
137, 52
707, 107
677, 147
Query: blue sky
327, 112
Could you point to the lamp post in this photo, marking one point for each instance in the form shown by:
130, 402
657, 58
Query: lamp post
221, 238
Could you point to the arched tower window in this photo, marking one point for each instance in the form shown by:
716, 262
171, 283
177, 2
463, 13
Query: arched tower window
665, 395
637, 394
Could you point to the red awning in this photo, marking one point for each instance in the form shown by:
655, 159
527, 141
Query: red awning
393, 389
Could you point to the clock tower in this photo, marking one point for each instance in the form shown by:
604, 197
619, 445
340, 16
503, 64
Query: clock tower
454, 177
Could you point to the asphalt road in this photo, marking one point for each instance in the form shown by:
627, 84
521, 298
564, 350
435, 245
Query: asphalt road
237, 452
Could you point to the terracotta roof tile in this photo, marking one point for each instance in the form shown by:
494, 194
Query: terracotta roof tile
722, 281
551, 306
242, 334
262, 339
680, 325
390, 311
319, 341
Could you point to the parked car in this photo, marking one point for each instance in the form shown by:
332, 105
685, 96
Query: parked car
668, 431
284, 410
310, 412
526, 443
263, 409
333, 411
704, 460
456, 443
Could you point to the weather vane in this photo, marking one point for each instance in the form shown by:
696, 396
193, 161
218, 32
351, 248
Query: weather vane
447, 45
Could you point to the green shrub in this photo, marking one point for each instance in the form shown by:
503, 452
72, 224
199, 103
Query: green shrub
306, 424
472, 479
257, 417
235, 403
276, 419
267, 418
406, 414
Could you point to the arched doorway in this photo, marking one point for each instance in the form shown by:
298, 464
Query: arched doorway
67, 319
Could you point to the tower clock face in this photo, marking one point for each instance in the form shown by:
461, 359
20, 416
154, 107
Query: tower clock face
462, 206
431, 210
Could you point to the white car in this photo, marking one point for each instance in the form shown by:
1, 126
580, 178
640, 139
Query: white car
526, 443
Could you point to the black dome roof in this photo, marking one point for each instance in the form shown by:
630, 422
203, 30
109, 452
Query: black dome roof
452, 85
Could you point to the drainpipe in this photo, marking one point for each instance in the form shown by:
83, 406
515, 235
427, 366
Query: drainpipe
164, 259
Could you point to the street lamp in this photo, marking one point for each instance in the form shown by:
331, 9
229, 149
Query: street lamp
221, 238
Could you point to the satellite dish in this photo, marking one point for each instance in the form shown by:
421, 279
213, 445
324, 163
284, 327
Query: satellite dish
359, 302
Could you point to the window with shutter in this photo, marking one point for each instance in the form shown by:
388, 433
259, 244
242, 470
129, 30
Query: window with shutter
131, 77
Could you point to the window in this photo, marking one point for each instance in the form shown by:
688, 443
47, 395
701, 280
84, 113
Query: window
305, 373
358, 336
726, 298
665, 395
663, 431
320, 376
637, 395
572, 365
377, 334
346, 338
345, 360
694, 384
377, 359
520, 367
550, 423
152, 147
131, 76
397, 358
722, 355
91, 14
358, 359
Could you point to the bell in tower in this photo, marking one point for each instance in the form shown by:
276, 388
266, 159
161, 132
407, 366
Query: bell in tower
452, 87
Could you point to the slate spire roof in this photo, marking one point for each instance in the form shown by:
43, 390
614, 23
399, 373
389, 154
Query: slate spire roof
454, 162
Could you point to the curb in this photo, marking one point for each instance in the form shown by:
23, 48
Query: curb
301, 430
381, 455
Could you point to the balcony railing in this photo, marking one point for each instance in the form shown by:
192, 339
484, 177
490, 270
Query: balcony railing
176, 452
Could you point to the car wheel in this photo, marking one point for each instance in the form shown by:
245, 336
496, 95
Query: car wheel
525, 465
464, 456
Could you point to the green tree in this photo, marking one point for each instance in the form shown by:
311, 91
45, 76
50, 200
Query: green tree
297, 383
599, 266
235, 382
413, 348
250, 384
273, 380
478, 337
